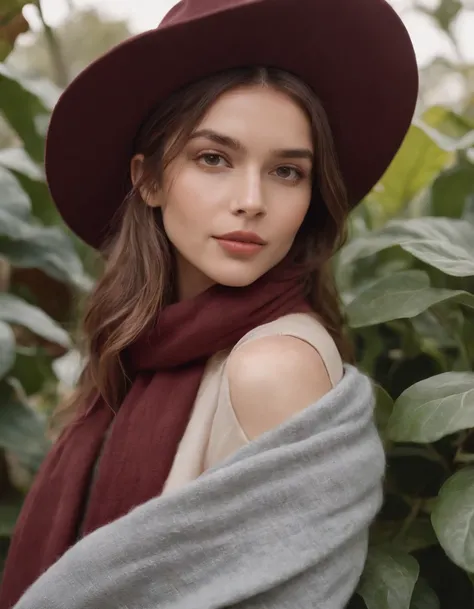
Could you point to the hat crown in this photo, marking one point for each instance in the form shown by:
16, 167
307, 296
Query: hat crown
189, 10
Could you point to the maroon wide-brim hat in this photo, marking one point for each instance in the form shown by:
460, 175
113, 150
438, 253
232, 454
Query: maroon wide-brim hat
356, 55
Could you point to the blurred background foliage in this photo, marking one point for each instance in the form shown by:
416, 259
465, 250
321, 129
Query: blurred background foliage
406, 278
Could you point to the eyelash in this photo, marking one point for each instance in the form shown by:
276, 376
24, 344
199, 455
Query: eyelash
299, 173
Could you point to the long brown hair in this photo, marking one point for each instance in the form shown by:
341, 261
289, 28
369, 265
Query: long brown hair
137, 277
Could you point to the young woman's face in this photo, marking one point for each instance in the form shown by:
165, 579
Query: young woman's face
246, 168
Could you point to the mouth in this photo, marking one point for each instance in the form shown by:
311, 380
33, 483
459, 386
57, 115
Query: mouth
241, 243
242, 237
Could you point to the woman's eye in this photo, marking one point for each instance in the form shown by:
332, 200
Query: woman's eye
212, 160
289, 173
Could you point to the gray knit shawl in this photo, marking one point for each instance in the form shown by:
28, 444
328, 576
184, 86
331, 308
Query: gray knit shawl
282, 524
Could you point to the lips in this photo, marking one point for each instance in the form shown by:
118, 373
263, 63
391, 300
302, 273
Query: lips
241, 244
243, 237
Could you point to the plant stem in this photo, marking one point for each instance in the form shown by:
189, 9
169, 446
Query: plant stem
463, 351
57, 59
415, 510
438, 457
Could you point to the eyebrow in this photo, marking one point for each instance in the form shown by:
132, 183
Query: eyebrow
229, 142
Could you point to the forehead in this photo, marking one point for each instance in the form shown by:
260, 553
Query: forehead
259, 113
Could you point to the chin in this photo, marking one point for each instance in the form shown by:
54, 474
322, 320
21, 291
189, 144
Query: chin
238, 278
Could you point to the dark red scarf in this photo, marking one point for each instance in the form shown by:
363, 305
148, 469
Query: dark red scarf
167, 365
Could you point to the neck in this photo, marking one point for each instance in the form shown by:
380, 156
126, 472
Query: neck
189, 281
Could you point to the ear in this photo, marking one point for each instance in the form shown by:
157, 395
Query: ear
150, 197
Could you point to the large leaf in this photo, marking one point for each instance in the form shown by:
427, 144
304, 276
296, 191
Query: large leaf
433, 408
423, 596
22, 431
12, 198
453, 518
401, 295
451, 191
25, 104
435, 330
444, 243
420, 534
7, 348
17, 311
33, 370
18, 161
44, 90
28, 245
417, 163
447, 122
30, 177
446, 12
388, 579
42, 206
446, 142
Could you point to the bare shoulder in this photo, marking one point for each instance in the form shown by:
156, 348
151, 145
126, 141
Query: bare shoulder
273, 378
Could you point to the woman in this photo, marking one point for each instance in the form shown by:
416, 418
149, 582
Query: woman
221, 453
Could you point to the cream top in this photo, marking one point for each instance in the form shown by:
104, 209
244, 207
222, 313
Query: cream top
214, 432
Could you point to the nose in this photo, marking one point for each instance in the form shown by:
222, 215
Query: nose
249, 199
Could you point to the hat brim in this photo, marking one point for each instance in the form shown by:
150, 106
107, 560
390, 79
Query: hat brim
356, 56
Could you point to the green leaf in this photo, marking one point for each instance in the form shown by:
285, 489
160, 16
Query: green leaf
30, 177
420, 534
33, 370
13, 198
24, 103
389, 579
22, 431
451, 257
17, 311
417, 163
423, 596
42, 90
398, 296
446, 13
42, 206
18, 161
12, 226
433, 408
451, 191
46, 248
443, 243
7, 348
448, 143
434, 329
447, 122
453, 518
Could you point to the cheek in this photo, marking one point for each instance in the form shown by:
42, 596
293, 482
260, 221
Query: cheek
293, 214
186, 211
